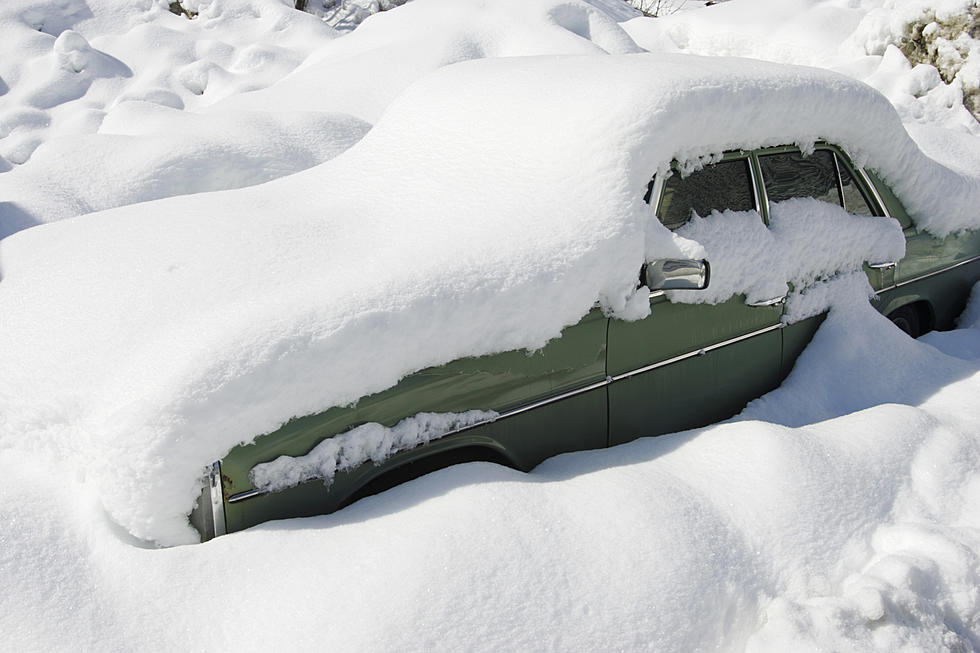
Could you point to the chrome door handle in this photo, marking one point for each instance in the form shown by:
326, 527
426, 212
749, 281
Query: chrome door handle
769, 302
883, 265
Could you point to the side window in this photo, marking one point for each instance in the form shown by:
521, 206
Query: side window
725, 185
790, 174
854, 199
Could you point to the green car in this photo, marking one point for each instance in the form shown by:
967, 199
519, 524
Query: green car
605, 381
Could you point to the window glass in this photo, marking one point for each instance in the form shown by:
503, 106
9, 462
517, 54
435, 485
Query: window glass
725, 185
791, 174
854, 200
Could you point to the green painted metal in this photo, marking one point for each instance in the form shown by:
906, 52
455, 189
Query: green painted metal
500, 382
697, 390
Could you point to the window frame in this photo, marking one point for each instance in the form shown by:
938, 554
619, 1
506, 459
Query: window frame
655, 188
760, 197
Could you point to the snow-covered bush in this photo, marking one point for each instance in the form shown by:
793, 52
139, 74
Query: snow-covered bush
949, 43
346, 14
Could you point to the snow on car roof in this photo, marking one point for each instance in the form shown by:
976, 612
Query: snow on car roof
490, 207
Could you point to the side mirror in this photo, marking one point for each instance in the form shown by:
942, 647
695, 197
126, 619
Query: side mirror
677, 274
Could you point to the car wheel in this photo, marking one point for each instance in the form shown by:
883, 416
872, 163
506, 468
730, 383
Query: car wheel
907, 319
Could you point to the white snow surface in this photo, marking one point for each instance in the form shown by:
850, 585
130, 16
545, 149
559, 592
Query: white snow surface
806, 241
857, 37
854, 532
290, 263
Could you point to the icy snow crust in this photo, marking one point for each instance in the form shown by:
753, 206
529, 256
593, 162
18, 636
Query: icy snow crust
367, 442
147, 341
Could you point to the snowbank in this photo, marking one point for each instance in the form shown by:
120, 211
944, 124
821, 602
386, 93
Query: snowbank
395, 48
858, 38
490, 208
77, 73
858, 533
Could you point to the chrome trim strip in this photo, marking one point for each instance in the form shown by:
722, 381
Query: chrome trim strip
840, 180
755, 188
247, 494
772, 301
692, 354
929, 274
655, 195
217, 499
874, 191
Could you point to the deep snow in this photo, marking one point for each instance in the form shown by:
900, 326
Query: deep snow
498, 200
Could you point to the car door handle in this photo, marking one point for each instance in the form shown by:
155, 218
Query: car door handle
883, 265
769, 302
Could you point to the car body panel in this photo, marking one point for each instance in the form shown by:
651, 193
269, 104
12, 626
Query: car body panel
504, 383
704, 385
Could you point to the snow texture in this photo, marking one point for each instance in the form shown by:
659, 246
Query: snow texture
368, 442
857, 532
806, 241
219, 223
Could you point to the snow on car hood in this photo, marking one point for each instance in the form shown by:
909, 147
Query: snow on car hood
490, 207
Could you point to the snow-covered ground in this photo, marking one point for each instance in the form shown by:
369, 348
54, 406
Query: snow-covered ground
197, 212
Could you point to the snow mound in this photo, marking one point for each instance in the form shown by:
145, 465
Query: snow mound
77, 68
857, 38
145, 151
392, 49
146, 341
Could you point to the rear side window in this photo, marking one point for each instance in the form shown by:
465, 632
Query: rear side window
790, 174
725, 185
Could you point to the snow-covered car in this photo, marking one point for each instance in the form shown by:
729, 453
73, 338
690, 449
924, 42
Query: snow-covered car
478, 278
692, 361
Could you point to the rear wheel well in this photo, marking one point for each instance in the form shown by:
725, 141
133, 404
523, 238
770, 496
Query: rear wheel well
914, 318
422, 466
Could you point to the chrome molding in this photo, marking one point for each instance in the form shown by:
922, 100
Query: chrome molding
692, 354
930, 274
755, 188
217, 499
874, 191
840, 180
658, 188
772, 301
247, 494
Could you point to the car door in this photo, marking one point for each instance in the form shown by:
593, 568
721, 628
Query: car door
688, 365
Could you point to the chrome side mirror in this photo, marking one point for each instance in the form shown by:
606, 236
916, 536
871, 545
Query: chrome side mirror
677, 274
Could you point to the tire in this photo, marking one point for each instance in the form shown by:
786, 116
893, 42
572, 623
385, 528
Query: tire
907, 319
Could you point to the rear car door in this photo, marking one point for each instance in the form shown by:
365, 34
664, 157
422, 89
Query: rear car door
688, 365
